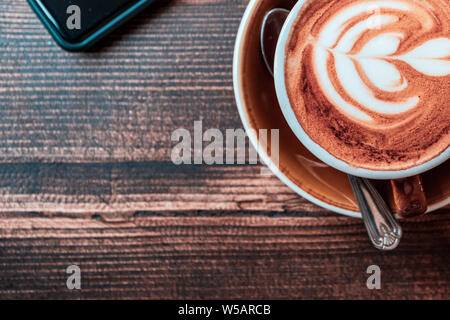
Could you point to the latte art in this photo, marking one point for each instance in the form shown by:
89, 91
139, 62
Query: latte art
372, 67
369, 80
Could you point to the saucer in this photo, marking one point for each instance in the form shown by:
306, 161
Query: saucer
296, 166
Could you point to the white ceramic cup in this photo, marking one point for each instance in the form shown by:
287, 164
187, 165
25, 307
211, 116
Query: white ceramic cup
316, 149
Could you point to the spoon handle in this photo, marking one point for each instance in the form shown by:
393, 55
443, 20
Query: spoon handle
383, 229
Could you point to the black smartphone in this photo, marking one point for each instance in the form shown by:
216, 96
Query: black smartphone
78, 24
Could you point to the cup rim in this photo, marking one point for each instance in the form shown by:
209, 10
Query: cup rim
243, 113
316, 149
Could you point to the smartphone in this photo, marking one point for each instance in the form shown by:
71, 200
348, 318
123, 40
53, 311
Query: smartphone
77, 25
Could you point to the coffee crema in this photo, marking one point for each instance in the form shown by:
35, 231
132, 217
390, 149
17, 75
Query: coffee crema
369, 80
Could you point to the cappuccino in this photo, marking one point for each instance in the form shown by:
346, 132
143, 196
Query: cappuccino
369, 80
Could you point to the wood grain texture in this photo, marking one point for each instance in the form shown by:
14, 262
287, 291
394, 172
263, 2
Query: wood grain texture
126, 188
163, 70
86, 178
228, 257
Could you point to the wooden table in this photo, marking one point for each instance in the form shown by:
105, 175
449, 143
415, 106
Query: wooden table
86, 178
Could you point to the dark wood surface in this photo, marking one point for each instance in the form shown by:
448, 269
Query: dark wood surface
86, 178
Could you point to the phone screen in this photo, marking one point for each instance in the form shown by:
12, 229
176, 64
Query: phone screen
93, 15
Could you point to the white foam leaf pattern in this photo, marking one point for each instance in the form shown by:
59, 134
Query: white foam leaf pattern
378, 60
382, 45
349, 39
383, 75
353, 84
431, 58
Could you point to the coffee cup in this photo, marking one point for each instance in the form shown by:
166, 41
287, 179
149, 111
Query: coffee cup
332, 95
349, 113
245, 105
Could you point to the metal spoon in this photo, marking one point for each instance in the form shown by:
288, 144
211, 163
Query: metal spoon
382, 228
